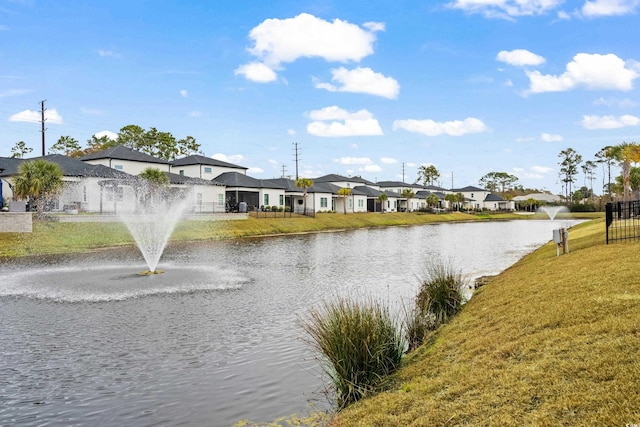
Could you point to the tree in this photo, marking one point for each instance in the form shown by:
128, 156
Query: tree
408, 193
432, 200
38, 181
155, 143
569, 168
155, 177
68, 146
304, 183
589, 168
344, 192
95, 144
19, 150
607, 156
427, 174
628, 153
382, 198
451, 198
460, 199
494, 181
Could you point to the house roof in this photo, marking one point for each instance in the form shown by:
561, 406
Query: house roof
398, 184
467, 189
70, 167
493, 198
237, 179
363, 190
175, 178
339, 178
424, 194
120, 152
544, 197
197, 159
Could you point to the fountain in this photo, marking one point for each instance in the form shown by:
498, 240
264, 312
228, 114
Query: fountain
153, 221
552, 211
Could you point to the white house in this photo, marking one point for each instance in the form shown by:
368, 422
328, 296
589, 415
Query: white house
126, 160
197, 166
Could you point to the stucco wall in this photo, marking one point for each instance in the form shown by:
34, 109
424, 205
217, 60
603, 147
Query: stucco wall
15, 222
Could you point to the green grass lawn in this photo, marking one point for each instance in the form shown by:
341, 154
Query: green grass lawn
550, 341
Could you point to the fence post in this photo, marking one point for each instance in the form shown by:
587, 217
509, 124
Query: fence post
609, 218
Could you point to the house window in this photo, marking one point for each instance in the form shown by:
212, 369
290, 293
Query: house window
182, 172
207, 170
281, 199
361, 203
323, 202
118, 167
266, 200
221, 199
84, 193
350, 203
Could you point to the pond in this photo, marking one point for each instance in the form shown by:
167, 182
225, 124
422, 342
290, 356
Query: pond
217, 337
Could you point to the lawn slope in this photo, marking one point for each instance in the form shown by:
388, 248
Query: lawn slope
550, 341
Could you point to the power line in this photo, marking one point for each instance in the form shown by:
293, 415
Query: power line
297, 158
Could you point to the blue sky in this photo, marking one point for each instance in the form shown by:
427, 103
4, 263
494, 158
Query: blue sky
366, 88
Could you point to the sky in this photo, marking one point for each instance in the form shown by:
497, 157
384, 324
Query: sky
371, 88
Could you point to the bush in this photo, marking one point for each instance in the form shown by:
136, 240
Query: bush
583, 207
359, 343
440, 295
417, 327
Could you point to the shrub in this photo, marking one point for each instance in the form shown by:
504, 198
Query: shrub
359, 343
440, 294
583, 207
417, 327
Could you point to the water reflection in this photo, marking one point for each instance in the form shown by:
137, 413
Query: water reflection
217, 338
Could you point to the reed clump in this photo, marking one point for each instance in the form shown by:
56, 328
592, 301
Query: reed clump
359, 343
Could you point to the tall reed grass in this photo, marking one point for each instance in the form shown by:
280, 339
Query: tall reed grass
359, 342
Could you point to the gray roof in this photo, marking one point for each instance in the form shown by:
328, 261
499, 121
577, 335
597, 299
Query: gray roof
340, 178
398, 184
120, 152
467, 189
424, 194
363, 190
175, 178
493, 198
197, 159
236, 179
70, 167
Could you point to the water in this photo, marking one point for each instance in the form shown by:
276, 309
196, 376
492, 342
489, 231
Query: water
217, 338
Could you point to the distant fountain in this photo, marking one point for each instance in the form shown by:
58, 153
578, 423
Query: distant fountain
552, 211
153, 222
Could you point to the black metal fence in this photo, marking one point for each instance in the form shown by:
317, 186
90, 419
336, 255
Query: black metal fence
623, 221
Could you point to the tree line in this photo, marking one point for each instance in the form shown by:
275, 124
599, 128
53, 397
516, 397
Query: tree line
153, 142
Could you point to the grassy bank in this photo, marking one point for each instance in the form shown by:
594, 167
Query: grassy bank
550, 341
62, 237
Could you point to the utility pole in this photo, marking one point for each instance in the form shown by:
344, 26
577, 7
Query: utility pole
284, 170
403, 172
452, 180
297, 159
42, 110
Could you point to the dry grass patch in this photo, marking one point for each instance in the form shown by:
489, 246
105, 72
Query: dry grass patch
551, 341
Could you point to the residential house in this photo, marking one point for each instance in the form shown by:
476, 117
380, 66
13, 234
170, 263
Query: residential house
256, 193
126, 160
198, 166
403, 203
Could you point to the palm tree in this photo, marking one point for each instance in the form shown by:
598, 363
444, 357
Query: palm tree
408, 194
157, 183
344, 192
432, 200
629, 153
382, 197
304, 183
37, 180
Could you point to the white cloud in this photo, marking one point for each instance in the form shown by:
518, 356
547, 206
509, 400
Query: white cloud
111, 135
506, 9
520, 57
593, 71
616, 102
51, 116
609, 7
534, 172
278, 41
388, 160
609, 122
257, 72
547, 137
255, 170
337, 122
13, 92
108, 54
432, 128
525, 139
362, 80
184, 93
371, 168
234, 158
354, 161
291, 132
